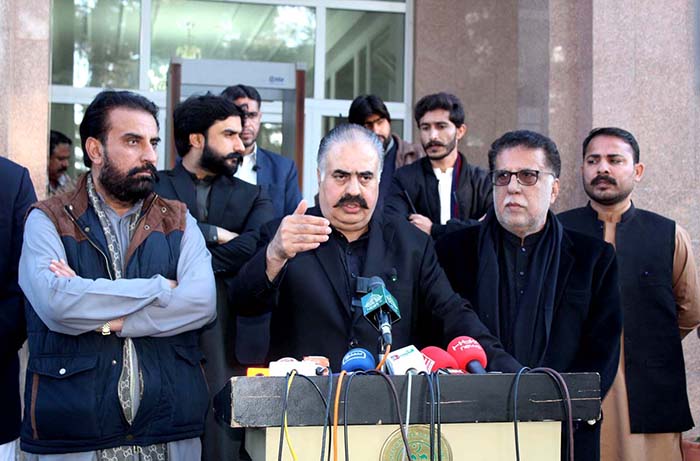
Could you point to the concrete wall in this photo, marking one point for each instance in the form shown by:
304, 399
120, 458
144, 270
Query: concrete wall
606, 62
24, 85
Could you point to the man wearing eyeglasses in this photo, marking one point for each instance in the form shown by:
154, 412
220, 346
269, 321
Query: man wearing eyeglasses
370, 111
548, 293
647, 407
275, 174
443, 191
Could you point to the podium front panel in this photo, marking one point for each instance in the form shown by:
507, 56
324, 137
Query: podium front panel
258, 401
539, 441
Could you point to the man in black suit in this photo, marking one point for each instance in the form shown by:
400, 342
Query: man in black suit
277, 175
16, 195
549, 294
442, 191
229, 212
308, 264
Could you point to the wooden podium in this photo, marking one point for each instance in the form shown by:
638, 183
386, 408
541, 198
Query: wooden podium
476, 415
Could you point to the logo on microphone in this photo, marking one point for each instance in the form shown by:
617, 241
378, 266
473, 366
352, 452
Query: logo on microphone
465, 344
376, 299
354, 354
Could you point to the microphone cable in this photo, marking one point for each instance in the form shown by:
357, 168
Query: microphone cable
564, 391
431, 390
438, 415
326, 405
395, 395
283, 425
410, 375
345, 413
381, 363
335, 414
516, 385
326, 420
568, 415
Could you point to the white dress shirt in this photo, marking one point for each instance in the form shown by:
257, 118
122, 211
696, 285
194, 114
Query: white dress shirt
246, 171
445, 193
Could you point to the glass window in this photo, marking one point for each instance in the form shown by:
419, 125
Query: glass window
66, 118
270, 136
95, 43
364, 54
227, 30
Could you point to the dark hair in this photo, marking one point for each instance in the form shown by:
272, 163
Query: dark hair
56, 138
241, 91
96, 118
445, 101
365, 105
624, 135
197, 114
530, 140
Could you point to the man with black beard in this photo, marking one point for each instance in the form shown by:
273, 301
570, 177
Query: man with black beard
647, 406
442, 192
118, 283
229, 212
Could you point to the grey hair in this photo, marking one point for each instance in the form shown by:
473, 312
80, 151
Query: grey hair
346, 133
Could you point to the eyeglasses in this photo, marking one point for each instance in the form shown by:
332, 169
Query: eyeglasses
525, 177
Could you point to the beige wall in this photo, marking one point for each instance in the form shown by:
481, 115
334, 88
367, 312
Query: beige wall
24, 85
608, 62
467, 48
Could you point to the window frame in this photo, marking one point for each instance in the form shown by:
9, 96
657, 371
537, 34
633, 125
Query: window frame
315, 108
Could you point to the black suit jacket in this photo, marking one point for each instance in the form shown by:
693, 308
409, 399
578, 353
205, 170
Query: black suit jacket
418, 181
587, 320
234, 205
238, 207
277, 175
311, 312
16, 195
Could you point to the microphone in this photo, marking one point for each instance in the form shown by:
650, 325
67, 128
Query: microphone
285, 365
469, 354
357, 359
439, 359
380, 308
403, 361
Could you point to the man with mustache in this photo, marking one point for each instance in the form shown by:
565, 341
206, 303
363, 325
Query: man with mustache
118, 283
275, 174
548, 293
59, 154
310, 266
441, 192
370, 111
647, 407
229, 211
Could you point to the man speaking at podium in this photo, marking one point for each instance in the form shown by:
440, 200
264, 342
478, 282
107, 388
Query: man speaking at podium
308, 265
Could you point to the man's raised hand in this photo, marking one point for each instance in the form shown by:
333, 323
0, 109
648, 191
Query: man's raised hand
297, 232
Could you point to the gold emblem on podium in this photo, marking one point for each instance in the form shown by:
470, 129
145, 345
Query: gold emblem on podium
418, 442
